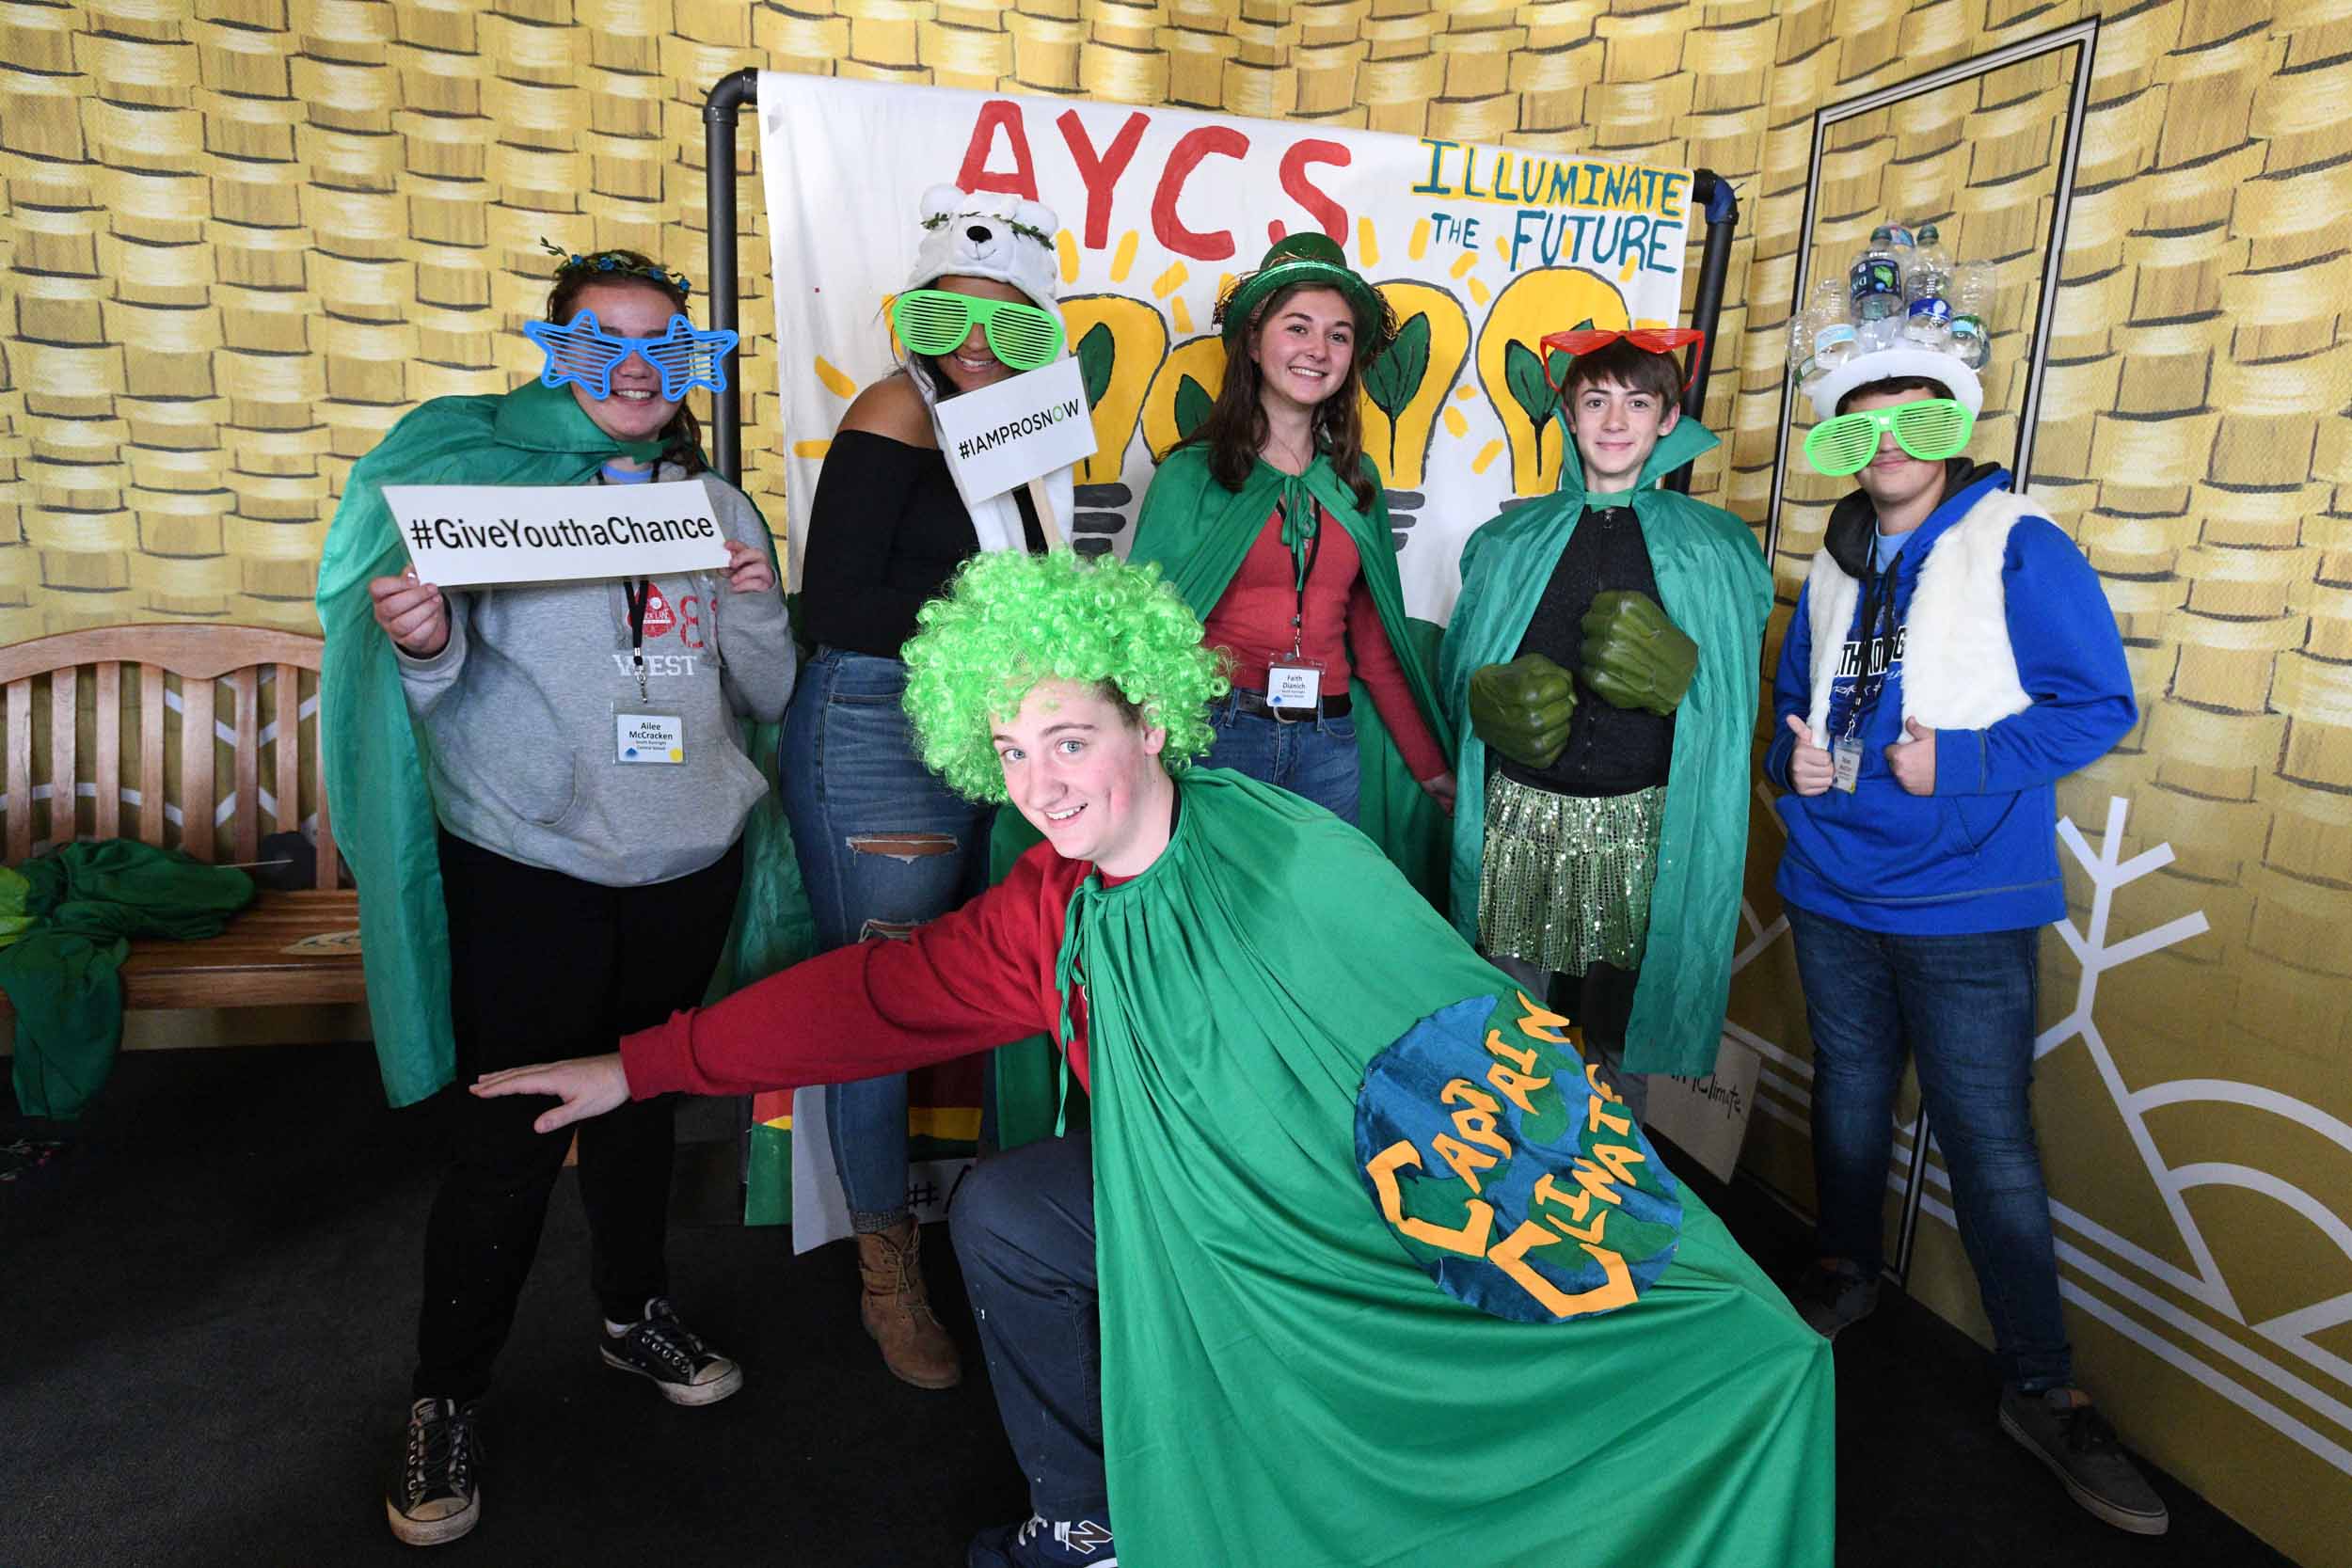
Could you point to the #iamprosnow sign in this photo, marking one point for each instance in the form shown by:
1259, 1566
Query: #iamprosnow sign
1009, 433
459, 535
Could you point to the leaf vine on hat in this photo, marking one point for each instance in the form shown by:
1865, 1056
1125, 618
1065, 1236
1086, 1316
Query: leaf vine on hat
1313, 261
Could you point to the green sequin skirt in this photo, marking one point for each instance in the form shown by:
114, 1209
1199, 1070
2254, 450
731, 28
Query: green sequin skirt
1567, 878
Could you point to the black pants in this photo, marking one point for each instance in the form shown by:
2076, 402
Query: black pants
1024, 1229
544, 966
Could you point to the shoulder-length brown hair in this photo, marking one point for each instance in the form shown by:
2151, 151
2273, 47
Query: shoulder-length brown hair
1237, 426
683, 435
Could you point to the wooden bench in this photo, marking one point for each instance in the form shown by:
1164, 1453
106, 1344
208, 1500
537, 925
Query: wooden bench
193, 783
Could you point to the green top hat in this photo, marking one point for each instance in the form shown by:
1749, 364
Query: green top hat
1314, 259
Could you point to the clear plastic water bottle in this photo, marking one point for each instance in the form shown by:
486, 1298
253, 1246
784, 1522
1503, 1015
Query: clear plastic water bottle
1874, 284
1927, 293
1971, 313
1834, 341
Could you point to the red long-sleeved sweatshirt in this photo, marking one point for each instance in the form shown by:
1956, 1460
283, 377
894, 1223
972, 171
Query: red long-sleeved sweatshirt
978, 977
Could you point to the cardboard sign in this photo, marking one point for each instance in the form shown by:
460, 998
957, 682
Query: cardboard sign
1016, 431
459, 535
1707, 1117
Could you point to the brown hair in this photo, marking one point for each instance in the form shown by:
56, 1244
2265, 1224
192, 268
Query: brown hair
683, 435
1623, 364
1236, 428
1929, 385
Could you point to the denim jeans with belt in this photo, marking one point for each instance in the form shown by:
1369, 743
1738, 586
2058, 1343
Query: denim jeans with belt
1965, 1007
1313, 756
883, 847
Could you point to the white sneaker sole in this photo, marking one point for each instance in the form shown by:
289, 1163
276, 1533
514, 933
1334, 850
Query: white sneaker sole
681, 1393
2090, 1501
434, 1532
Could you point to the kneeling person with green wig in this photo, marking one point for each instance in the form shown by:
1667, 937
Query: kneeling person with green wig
1358, 1264
1600, 671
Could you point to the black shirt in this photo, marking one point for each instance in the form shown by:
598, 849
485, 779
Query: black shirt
885, 533
1611, 750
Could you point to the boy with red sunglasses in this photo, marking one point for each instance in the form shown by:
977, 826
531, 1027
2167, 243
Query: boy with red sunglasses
1602, 670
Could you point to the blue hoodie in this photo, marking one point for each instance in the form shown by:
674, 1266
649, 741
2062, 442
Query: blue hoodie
1980, 853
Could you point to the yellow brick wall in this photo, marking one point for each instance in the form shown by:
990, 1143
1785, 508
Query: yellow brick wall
238, 238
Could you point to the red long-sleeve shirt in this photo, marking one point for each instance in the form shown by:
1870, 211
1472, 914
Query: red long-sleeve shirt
978, 977
1253, 620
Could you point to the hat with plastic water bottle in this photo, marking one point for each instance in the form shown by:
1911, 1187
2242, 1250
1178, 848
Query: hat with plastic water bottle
1905, 309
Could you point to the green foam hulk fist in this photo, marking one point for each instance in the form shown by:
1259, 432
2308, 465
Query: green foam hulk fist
1634, 656
1522, 708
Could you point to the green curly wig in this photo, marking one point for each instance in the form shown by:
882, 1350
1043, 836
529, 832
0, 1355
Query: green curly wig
1010, 620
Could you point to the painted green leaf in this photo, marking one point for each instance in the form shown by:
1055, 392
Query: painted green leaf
1095, 351
1193, 403
1396, 376
1524, 373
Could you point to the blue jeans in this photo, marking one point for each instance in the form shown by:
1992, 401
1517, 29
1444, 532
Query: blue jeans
1023, 1227
1965, 1007
1310, 757
884, 846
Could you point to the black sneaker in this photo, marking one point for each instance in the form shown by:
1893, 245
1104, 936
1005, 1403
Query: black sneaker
1832, 1296
2081, 1449
659, 1347
1042, 1542
437, 1496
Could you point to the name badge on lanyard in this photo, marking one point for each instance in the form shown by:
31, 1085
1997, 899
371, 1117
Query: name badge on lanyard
642, 733
1296, 684
645, 731
1846, 758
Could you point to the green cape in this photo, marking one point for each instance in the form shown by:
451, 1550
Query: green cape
378, 798
1199, 531
1713, 583
62, 968
1282, 1380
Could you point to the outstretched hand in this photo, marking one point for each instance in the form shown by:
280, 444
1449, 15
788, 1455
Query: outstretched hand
1522, 708
1633, 656
587, 1086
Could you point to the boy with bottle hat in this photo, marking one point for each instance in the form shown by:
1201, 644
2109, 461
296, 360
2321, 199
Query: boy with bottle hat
1950, 657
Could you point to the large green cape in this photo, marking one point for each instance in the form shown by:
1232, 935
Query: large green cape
1283, 1382
378, 798
1713, 584
1199, 531
75, 913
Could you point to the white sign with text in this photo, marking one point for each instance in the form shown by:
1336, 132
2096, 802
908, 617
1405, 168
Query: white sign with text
461, 535
1707, 1117
1021, 429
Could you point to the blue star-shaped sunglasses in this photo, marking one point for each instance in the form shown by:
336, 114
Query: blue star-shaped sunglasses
585, 355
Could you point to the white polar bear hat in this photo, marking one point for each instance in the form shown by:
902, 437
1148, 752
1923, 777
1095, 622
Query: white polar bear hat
987, 234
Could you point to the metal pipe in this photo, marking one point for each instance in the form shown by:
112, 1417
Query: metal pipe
733, 91
1707, 189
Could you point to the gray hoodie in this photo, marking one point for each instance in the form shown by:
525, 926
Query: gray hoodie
517, 716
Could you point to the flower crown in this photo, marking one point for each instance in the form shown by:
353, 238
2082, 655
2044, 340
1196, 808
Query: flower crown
1027, 231
615, 262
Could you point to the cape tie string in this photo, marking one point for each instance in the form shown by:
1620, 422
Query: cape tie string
1069, 975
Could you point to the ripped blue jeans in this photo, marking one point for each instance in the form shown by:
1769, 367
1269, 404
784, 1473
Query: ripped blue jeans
883, 847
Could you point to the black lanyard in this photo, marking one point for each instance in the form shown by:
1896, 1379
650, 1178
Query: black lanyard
1878, 612
638, 598
1303, 567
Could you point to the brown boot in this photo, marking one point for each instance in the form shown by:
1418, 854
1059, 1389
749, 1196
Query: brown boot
896, 1311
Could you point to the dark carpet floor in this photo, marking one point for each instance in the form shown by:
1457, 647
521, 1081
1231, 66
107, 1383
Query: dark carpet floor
207, 1305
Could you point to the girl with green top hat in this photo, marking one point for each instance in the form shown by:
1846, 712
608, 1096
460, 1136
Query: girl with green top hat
1269, 519
526, 878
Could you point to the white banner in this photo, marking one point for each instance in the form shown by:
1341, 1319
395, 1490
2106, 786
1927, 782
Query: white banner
459, 535
1480, 251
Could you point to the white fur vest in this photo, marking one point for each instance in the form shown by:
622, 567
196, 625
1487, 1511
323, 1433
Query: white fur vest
1959, 672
